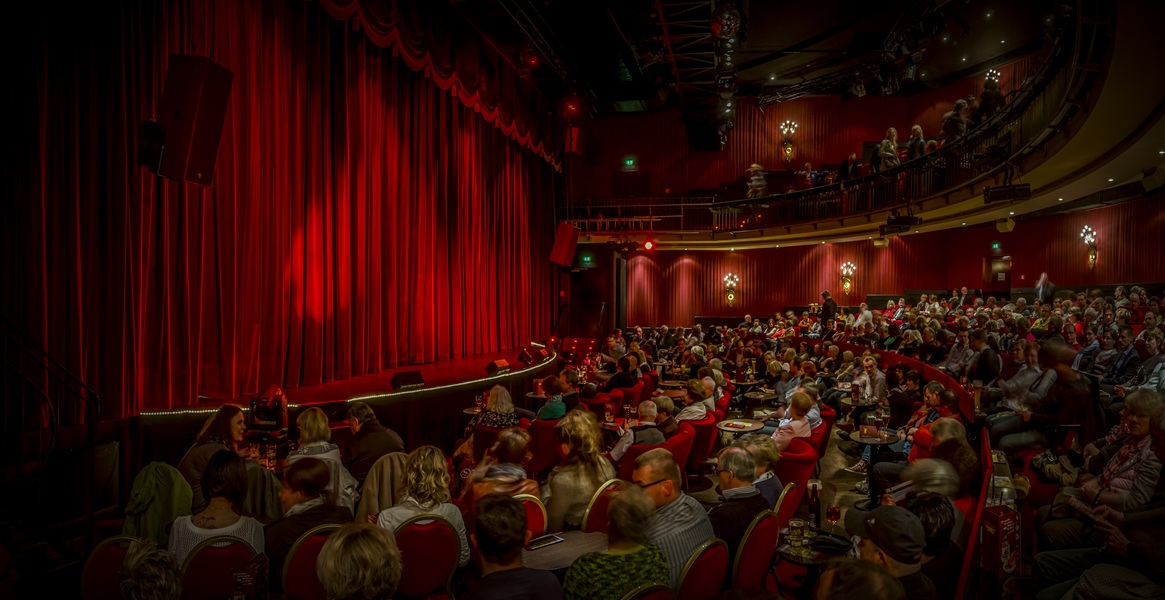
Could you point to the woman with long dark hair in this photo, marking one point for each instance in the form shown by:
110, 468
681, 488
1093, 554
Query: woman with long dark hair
224, 430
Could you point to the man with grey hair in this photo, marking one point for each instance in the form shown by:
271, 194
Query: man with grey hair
740, 501
709, 393
370, 440
644, 434
680, 524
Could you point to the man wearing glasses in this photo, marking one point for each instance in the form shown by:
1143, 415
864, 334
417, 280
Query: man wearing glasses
680, 524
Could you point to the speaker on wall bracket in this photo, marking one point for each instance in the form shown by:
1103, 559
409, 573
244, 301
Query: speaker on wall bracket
182, 142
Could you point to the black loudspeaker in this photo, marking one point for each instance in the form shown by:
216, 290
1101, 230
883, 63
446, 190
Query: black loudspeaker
190, 120
404, 381
525, 357
565, 241
497, 367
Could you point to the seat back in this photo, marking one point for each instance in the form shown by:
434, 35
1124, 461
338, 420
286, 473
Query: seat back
680, 446
300, 581
100, 576
209, 572
785, 509
595, 517
598, 404
543, 447
705, 438
536, 518
828, 418
633, 395
483, 439
796, 466
430, 550
704, 573
650, 591
755, 555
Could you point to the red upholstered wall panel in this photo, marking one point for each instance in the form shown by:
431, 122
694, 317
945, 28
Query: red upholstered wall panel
674, 287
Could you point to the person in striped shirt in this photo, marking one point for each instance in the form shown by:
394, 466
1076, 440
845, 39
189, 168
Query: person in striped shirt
680, 523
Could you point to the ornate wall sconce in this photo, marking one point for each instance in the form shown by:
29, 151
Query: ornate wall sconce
730, 282
1089, 236
788, 151
847, 277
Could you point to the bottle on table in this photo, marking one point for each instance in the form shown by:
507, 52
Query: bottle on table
814, 504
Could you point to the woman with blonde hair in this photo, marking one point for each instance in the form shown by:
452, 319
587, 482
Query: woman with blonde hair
888, 150
315, 437
427, 492
582, 470
497, 412
359, 561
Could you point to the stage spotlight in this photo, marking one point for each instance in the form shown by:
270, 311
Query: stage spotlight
497, 367
648, 245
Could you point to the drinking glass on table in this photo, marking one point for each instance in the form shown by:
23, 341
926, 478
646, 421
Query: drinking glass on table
833, 511
796, 532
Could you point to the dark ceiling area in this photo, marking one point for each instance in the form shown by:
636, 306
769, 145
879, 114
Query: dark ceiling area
608, 56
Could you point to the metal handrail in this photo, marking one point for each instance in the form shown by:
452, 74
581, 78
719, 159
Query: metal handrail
982, 154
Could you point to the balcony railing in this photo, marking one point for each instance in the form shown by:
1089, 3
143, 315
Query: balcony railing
1053, 93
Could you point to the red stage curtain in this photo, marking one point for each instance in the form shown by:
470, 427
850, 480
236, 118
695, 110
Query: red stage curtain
360, 218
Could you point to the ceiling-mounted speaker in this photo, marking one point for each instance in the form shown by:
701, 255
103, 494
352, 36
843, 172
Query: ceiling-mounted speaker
881, 242
498, 367
1004, 225
565, 242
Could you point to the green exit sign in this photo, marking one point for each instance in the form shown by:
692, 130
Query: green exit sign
630, 163
995, 246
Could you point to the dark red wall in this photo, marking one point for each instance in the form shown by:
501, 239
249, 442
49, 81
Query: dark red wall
828, 130
674, 287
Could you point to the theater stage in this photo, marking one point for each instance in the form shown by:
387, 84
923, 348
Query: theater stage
432, 415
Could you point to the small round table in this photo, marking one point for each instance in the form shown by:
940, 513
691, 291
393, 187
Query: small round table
888, 438
671, 393
738, 426
672, 384
561, 555
472, 410
812, 560
754, 399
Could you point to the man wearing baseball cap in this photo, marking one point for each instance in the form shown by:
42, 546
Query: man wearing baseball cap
893, 537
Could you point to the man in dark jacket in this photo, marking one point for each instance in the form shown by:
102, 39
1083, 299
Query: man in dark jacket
828, 307
370, 440
740, 502
622, 378
305, 505
987, 364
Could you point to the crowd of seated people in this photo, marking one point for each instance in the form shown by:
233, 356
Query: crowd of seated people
1034, 379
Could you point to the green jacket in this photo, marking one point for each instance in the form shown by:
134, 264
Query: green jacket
160, 494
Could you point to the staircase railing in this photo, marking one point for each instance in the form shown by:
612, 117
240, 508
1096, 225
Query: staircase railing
43, 405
